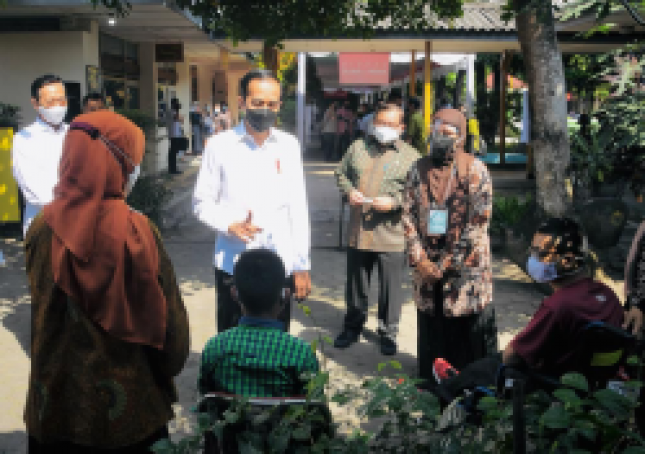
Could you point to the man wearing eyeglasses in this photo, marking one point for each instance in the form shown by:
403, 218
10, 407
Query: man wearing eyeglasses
372, 175
251, 191
447, 208
37, 149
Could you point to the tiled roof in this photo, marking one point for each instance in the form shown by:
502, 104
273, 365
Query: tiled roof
478, 17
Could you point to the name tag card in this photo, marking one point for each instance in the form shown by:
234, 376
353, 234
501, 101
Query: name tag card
437, 222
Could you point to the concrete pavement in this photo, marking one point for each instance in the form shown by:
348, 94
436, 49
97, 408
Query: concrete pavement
190, 246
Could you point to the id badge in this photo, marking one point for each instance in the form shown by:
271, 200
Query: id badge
437, 222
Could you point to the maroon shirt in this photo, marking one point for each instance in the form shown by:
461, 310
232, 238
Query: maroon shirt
546, 342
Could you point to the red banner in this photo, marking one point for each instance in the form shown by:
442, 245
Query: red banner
364, 69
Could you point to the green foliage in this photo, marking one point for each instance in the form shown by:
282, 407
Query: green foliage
149, 196
9, 116
508, 211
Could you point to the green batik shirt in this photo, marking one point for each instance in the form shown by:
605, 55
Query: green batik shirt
257, 359
376, 171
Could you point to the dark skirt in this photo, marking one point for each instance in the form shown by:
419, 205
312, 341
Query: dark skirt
142, 447
458, 340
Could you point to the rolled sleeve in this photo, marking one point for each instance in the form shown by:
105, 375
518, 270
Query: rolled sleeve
208, 204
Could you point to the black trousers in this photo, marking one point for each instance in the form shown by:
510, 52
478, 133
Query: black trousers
329, 145
229, 310
390, 266
458, 340
344, 141
142, 447
175, 143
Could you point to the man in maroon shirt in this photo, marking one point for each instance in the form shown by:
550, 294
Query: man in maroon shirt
557, 257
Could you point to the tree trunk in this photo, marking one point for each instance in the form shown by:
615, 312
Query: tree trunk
545, 74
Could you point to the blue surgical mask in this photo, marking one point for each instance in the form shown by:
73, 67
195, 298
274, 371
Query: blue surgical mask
540, 271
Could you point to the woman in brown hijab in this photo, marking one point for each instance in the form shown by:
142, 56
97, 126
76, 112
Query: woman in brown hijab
109, 328
447, 208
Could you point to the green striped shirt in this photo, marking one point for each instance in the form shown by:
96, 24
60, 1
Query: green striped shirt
256, 359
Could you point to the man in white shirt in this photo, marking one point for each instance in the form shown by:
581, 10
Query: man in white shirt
251, 191
37, 149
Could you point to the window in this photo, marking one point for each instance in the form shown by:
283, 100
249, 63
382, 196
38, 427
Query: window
120, 71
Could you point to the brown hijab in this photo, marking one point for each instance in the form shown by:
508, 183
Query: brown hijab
104, 255
439, 177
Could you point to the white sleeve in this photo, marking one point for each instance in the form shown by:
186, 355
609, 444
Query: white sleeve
209, 205
300, 214
26, 175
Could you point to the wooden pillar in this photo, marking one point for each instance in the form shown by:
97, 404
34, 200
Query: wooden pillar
413, 75
271, 56
427, 86
502, 107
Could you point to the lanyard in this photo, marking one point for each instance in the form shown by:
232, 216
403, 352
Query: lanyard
446, 193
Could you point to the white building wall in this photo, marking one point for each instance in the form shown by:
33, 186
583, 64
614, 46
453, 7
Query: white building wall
26, 56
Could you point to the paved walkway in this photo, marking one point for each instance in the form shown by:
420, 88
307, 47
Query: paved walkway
190, 246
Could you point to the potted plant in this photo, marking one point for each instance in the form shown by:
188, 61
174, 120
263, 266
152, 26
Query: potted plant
607, 157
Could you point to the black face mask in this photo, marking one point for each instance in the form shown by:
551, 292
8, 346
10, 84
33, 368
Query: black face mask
442, 148
261, 119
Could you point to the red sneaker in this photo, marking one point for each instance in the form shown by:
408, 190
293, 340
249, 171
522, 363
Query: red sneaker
443, 370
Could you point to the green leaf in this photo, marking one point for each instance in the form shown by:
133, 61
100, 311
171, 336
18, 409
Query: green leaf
302, 433
634, 450
575, 380
381, 366
567, 396
162, 446
556, 418
328, 340
396, 365
613, 402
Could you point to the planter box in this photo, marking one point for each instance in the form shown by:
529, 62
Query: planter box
9, 195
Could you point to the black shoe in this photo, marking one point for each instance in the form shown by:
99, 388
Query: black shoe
176, 172
346, 338
388, 346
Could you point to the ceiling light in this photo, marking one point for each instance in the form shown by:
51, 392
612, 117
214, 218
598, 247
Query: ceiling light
112, 20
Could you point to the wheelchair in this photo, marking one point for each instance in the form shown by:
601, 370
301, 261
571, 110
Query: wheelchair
261, 416
598, 353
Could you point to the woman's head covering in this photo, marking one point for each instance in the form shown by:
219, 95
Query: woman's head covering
438, 177
104, 255
454, 118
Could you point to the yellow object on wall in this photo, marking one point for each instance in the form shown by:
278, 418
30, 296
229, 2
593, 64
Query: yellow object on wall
473, 130
9, 202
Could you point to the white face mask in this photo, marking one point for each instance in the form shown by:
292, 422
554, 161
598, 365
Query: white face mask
132, 179
385, 134
53, 115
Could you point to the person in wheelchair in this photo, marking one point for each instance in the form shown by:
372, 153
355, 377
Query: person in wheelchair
547, 344
257, 358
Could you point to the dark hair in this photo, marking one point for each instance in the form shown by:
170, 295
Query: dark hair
259, 277
384, 107
415, 102
174, 103
40, 82
93, 96
262, 74
568, 239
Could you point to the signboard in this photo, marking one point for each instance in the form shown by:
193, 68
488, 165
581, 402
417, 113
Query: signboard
9, 202
364, 68
169, 53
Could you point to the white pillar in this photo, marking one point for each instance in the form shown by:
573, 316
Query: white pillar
301, 94
470, 84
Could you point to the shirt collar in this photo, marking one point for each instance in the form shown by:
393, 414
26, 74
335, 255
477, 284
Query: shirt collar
244, 135
261, 322
48, 128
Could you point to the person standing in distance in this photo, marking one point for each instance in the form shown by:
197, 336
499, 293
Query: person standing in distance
251, 191
372, 175
37, 149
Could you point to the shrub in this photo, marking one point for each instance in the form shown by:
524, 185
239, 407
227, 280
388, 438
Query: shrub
149, 195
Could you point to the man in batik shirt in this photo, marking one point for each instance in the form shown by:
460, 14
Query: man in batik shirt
447, 209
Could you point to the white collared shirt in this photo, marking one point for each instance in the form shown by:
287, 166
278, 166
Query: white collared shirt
37, 150
238, 176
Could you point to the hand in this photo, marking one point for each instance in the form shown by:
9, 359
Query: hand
245, 230
302, 284
634, 317
356, 197
429, 271
383, 204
